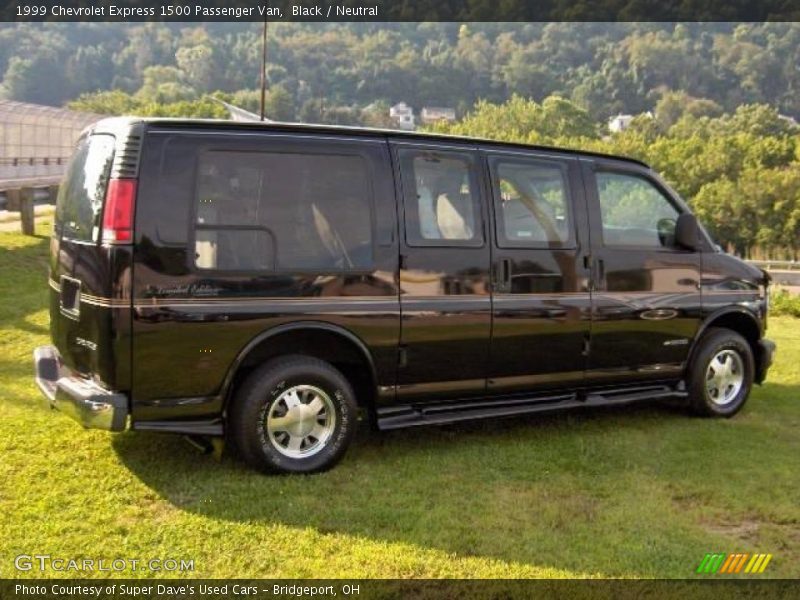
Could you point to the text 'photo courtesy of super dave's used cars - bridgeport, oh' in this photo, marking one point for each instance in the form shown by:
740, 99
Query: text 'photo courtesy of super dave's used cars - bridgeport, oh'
280, 284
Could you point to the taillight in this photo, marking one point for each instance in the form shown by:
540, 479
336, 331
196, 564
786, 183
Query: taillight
118, 211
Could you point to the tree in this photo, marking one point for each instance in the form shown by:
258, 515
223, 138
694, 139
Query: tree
524, 120
278, 104
673, 105
39, 79
164, 85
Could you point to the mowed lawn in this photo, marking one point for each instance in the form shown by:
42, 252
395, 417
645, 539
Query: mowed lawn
642, 491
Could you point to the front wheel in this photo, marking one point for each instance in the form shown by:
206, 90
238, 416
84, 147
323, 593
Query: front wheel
721, 374
295, 415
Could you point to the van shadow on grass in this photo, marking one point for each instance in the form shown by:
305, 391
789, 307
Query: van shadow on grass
565, 490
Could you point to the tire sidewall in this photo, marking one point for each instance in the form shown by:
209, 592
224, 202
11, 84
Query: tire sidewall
717, 342
266, 392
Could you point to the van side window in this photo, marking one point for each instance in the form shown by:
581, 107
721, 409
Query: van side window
634, 212
440, 199
260, 211
531, 203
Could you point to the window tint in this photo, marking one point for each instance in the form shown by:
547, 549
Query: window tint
441, 202
532, 204
80, 199
634, 212
265, 211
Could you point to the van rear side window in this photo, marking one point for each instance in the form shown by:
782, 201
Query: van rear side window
80, 200
260, 211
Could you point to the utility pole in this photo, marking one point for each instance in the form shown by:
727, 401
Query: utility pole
264, 67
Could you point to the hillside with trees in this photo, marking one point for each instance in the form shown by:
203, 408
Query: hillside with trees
715, 102
330, 71
740, 171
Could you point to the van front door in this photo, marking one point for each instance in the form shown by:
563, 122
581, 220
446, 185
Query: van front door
444, 273
647, 302
542, 301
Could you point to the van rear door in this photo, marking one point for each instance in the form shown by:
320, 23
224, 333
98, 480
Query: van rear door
86, 275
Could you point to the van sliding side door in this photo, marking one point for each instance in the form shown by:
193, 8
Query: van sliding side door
444, 272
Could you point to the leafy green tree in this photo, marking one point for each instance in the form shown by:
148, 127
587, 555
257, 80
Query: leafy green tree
524, 120
674, 105
278, 104
114, 103
39, 79
164, 85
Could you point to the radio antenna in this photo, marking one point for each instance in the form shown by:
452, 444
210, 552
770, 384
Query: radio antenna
264, 66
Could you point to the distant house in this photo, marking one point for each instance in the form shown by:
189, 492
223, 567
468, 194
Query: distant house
431, 114
619, 123
403, 115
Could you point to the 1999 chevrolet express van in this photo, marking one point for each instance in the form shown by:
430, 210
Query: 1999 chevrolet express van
271, 283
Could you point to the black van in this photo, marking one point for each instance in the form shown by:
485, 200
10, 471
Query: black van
274, 283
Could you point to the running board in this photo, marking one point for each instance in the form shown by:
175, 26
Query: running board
397, 417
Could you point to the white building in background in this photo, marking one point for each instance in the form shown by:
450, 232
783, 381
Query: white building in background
403, 115
619, 123
431, 114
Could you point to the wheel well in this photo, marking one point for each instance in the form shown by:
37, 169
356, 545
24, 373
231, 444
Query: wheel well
742, 324
332, 347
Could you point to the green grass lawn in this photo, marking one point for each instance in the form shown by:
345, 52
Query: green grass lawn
643, 491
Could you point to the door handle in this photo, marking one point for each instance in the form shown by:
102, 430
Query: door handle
597, 271
601, 272
503, 275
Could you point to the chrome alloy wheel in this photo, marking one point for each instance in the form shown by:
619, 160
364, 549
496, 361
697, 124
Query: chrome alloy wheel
301, 421
724, 376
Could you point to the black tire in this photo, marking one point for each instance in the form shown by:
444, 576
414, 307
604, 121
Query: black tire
724, 343
264, 396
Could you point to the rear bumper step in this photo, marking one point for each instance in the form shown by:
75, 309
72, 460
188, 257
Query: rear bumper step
89, 404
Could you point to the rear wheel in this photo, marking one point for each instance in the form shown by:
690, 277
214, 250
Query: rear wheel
721, 374
295, 414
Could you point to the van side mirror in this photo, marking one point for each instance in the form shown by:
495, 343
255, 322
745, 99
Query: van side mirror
687, 232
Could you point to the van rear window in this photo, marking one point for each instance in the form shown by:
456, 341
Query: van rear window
262, 211
80, 199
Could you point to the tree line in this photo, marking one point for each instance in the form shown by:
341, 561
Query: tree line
712, 99
333, 71
740, 171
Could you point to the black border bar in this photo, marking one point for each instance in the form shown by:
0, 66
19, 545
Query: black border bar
401, 10
369, 589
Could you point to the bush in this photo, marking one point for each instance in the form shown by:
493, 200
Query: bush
784, 303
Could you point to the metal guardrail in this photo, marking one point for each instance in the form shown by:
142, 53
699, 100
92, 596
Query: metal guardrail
42, 181
30, 161
20, 198
776, 265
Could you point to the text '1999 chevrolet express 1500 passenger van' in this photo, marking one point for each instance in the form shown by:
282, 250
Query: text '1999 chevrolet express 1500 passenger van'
274, 283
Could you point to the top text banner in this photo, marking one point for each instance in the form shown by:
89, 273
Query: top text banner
401, 10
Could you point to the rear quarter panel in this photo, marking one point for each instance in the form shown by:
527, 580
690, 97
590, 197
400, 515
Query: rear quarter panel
190, 326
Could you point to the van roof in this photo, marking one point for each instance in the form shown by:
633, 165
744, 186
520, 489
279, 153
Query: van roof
117, 123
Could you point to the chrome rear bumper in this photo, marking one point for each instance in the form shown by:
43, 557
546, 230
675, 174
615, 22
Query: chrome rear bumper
89, 404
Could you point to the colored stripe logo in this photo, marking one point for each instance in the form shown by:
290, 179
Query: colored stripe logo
740, 562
